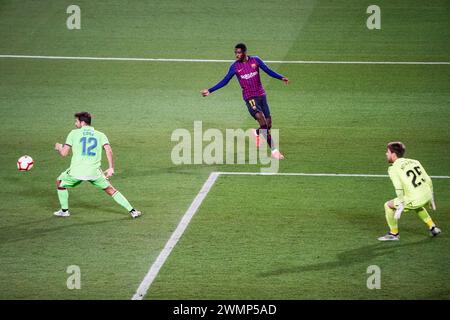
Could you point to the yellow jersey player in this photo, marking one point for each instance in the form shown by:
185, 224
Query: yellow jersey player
414, 191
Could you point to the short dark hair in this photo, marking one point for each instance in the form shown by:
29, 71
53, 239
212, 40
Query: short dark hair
84, 116
397, 147
241, 46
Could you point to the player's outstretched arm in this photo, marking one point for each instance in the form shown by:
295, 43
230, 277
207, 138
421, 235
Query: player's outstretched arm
221, 83
270, 72
63, 150
109, 155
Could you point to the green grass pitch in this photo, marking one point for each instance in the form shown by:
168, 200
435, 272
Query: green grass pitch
254, 237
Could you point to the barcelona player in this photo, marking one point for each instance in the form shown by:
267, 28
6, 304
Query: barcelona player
87, 145
246, 68
414, 190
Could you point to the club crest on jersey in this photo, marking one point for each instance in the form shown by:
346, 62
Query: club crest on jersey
254, 65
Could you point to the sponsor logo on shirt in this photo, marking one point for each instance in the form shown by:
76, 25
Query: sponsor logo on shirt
249, 75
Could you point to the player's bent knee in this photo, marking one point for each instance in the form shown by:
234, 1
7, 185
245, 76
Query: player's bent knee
389, 204
58, 185
110, 190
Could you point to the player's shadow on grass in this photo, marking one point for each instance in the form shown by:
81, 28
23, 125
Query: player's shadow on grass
41, 196
347, 258
111, 207
45, 199
21, 232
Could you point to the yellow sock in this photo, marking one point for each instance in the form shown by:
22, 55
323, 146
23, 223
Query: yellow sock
392, 222
430, 223
425, 217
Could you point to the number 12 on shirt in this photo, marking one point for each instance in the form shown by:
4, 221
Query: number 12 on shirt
88, 145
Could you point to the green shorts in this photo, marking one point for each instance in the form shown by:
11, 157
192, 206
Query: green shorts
67, 181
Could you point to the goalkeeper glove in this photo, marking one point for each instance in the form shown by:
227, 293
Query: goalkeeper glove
433, 204
399, 211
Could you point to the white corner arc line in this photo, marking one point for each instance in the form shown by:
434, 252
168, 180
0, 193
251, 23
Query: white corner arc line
18, 56
176, 235
195, 205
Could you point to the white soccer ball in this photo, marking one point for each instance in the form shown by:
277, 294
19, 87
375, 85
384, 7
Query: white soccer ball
25, 163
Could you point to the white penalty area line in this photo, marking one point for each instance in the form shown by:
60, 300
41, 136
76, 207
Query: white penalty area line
176, 235
195, 205
14, 56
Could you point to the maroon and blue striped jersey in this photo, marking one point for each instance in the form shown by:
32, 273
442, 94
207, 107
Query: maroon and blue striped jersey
248, 76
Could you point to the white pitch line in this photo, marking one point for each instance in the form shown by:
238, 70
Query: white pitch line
176, 235
316, 174
14, 56
304, 174
182, 225
108, 58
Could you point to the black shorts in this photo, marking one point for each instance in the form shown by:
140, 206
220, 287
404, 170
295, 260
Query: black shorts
258, 104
